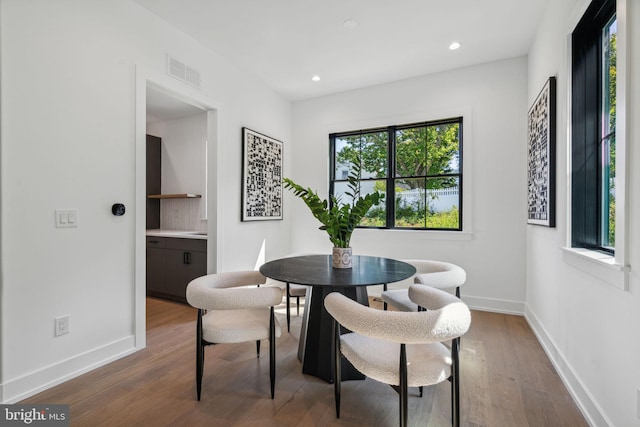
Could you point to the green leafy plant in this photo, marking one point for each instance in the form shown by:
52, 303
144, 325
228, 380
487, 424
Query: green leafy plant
338, 219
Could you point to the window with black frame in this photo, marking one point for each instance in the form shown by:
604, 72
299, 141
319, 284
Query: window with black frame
417, 166
593, 139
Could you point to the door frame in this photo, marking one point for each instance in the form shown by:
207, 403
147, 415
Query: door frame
176, 89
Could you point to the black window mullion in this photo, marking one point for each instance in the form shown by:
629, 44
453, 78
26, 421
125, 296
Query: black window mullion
332, 164
460, 160
391, 175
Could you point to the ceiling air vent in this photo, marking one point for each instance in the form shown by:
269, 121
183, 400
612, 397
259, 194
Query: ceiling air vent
182, 72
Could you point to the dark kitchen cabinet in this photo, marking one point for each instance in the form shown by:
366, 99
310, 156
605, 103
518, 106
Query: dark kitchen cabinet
172, 263
156, 266
154, 159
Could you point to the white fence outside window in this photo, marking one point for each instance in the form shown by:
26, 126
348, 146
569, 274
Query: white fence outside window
439, 200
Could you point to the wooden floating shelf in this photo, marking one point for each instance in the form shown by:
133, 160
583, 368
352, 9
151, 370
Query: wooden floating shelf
174, 196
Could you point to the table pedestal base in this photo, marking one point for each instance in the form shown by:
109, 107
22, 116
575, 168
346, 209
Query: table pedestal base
318, 350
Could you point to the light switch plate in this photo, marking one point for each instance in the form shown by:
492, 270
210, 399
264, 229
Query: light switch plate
66, 218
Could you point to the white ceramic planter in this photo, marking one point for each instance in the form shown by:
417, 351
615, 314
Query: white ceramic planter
342, 258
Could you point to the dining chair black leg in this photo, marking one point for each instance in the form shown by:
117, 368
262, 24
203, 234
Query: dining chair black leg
258, 347
199, 354
272, 353
455, 383
288, 309
384, 304
337, 372
458, 296
404, 407
420, 390
297, 306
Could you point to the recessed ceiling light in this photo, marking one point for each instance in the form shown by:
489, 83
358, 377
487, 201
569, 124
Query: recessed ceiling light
454, 46
349, 24
315, 78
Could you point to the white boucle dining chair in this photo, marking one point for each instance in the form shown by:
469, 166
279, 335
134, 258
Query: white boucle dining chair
230, 310
437, 274
399, 348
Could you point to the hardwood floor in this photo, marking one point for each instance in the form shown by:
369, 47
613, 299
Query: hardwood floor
506, 381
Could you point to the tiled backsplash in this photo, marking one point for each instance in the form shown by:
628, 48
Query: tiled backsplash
182, 214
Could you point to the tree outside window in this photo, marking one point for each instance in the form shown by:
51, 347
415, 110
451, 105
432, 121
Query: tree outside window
608, 143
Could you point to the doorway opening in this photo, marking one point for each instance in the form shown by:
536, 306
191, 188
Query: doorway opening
187, 122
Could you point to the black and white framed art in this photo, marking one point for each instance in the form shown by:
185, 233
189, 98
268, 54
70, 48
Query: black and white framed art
261, 177
542, 157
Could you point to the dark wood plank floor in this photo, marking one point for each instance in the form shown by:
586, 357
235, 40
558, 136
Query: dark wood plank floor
507, 381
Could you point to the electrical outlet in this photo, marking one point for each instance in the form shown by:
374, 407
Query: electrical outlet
62, 325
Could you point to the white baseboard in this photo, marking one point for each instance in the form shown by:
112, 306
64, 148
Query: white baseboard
581, 396
20, 388
494, 305
474, 303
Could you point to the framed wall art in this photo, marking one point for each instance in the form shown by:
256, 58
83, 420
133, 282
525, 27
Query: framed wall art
542, 157
261, 177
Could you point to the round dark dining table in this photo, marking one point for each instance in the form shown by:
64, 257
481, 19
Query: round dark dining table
317, 272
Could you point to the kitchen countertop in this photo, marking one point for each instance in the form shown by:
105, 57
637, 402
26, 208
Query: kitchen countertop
178, 233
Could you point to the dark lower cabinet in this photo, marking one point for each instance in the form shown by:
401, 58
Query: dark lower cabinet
156, 266
172, 263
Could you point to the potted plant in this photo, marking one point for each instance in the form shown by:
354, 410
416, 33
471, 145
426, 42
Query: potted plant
338, 219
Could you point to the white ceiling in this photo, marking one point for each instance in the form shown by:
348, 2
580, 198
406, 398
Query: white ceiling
162, 107
286, 42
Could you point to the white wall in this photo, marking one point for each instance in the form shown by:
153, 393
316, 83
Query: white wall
183, 153
183, 170
589, 327
492, 100
68, 141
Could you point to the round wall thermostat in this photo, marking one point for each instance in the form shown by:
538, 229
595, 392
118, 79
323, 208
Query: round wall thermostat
117, 209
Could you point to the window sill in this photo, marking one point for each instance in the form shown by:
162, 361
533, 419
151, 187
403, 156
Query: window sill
599, 265
423, 234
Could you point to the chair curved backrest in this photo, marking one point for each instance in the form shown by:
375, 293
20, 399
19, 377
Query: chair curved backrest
213, 291
438, 274
446, 317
